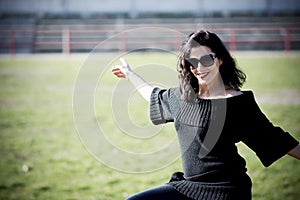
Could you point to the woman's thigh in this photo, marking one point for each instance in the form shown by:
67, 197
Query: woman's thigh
164, 192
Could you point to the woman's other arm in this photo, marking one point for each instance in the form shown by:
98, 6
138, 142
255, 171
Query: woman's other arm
295, 152
125, 71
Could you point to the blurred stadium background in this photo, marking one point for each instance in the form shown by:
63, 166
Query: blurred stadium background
41, 42
68, 26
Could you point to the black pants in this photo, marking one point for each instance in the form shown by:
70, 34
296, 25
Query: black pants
242, 191
164, 192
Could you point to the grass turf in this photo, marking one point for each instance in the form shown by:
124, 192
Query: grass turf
37, 131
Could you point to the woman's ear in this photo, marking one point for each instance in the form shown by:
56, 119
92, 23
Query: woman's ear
220, 61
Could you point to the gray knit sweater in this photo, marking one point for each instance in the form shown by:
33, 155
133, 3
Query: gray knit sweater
207, 131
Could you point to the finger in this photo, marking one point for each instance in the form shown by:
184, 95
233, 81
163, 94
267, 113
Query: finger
123, 61
119, 74
115, 70
122, 76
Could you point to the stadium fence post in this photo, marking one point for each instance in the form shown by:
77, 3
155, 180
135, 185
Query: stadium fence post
66, 41
287, 39
12, 43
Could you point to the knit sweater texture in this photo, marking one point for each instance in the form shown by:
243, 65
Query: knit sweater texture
208, 130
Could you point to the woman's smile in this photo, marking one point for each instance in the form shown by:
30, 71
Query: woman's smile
202, 75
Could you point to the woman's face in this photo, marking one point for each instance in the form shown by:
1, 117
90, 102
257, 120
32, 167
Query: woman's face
207, 70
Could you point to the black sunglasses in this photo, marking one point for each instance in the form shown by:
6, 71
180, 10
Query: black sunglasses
206, 61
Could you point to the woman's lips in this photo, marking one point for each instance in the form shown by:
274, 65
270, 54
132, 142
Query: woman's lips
203, 74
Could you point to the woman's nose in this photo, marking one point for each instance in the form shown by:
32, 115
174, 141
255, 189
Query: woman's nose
199, 66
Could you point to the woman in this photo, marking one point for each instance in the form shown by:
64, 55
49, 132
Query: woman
210, 114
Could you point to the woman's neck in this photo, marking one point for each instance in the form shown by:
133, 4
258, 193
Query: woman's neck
215, 90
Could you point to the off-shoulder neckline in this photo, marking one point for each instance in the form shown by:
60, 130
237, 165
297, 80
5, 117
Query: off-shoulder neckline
242, 94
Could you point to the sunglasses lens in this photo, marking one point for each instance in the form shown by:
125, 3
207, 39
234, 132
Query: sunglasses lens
207, 60
193, 62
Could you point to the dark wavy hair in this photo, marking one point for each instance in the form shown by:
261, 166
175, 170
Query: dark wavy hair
231, 75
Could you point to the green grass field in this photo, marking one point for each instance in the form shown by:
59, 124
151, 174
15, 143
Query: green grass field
42, 156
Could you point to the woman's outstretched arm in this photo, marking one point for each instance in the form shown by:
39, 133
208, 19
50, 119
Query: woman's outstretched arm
295, 152
125, 71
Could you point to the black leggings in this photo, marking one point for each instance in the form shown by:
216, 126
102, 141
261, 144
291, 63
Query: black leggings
164, 192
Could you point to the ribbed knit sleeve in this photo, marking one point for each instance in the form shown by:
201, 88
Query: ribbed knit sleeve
161, 106
268, 141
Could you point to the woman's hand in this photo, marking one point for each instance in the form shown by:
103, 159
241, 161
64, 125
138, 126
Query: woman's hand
295, 152
124, 71
121, 71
